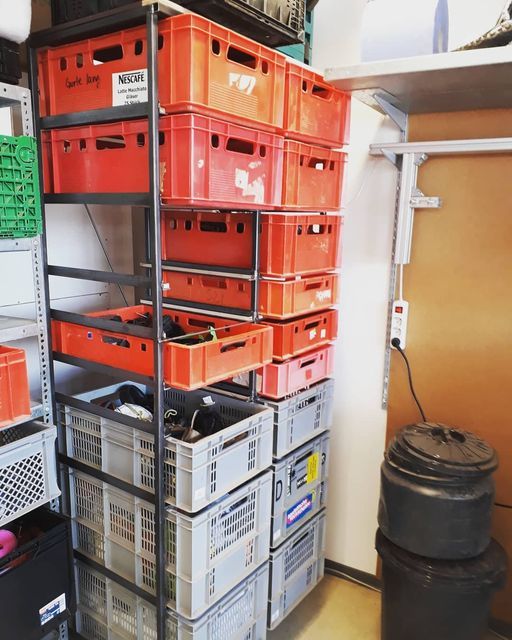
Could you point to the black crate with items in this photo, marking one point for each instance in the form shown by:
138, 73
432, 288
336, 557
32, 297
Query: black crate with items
36, 575
68, 10
10, 66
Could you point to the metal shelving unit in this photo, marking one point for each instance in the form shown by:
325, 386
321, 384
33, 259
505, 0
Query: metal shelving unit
132, 15
13, 329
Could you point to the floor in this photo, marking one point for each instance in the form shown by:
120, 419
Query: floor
335, 609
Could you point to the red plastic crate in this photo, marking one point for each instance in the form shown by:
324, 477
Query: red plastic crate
315, 111
290, 245
295, 337
203, 67
312, 177
238, 348
278, 299
282, 299
280, 379
203, 162
14, 389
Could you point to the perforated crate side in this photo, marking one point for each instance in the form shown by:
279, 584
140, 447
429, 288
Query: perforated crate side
28, 472
302, 584
302, 417
20, 200
87, 500
299, 488
304, 548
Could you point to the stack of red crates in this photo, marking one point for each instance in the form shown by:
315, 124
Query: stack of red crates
244, 129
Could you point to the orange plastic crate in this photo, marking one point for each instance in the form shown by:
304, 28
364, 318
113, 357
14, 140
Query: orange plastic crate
290, 245
203, 161
282, 299
14, 389
238, 348
281, 379
312, 177
295, 337
315, 111
203, 67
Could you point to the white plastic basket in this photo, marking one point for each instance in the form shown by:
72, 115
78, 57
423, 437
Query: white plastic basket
28, 470
295, 569
107, 611
207, 554
300, 488
195, 474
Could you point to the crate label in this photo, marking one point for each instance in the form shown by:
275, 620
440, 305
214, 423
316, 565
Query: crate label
52, 609
323, 333
312, 334
129, 87
322, 296
299, 510
200, 493
313, 465
244, 83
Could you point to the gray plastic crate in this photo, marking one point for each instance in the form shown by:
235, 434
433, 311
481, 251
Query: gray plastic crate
295, 569
107, 611
302, 417
28, 469
299, 488
207, 554
196, 474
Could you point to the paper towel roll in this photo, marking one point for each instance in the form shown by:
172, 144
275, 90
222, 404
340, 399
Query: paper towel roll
404, 28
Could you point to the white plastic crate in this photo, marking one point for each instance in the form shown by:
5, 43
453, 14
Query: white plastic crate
299, 488
107, 611
195, 474
295, 569
207, 554
28, 470
302, 417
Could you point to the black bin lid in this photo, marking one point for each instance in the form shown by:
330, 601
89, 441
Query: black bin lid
486, 571
437, 449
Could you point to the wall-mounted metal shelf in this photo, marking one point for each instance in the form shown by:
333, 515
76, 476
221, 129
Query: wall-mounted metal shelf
456, 81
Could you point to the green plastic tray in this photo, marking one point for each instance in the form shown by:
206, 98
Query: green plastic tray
20, 199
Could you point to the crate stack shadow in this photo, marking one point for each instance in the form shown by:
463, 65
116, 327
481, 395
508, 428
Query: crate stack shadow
228, 176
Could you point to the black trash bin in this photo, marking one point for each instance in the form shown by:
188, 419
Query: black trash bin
36, 580
437, 492
425, 599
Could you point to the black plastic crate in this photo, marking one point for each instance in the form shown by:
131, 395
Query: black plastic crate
36, 580
67, 10
10, 65
272, 22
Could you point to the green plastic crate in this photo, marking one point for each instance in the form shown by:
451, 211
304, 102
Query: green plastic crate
20, 199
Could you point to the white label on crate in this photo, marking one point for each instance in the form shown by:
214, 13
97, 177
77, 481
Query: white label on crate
321, 296
242, 82
277, 534
52, 609
275, 616
200, 493
130, 87
323, 333
312, 334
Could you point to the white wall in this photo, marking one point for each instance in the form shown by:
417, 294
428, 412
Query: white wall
358, 435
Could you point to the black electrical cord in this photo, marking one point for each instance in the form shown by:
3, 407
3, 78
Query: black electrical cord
502, 506
396, 343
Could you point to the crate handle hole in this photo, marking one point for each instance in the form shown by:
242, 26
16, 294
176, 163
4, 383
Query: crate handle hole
160, 42
240, 227
233, 346
79, 60
141, 139
63, 63
213, 227
311, 325
216, 47
321, 92
82, 145
143, 347
215, 141
243, 58
313, 285
304, 86
203, 324
216, 283
316, 229
264, 67
188, 225
112, 142
263, 151
307, 363
161, 138
107, 54
318, 164
235, 440
67, 146
117, 342
138, 48
240, 146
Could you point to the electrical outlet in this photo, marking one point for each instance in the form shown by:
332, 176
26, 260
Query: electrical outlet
399, 319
